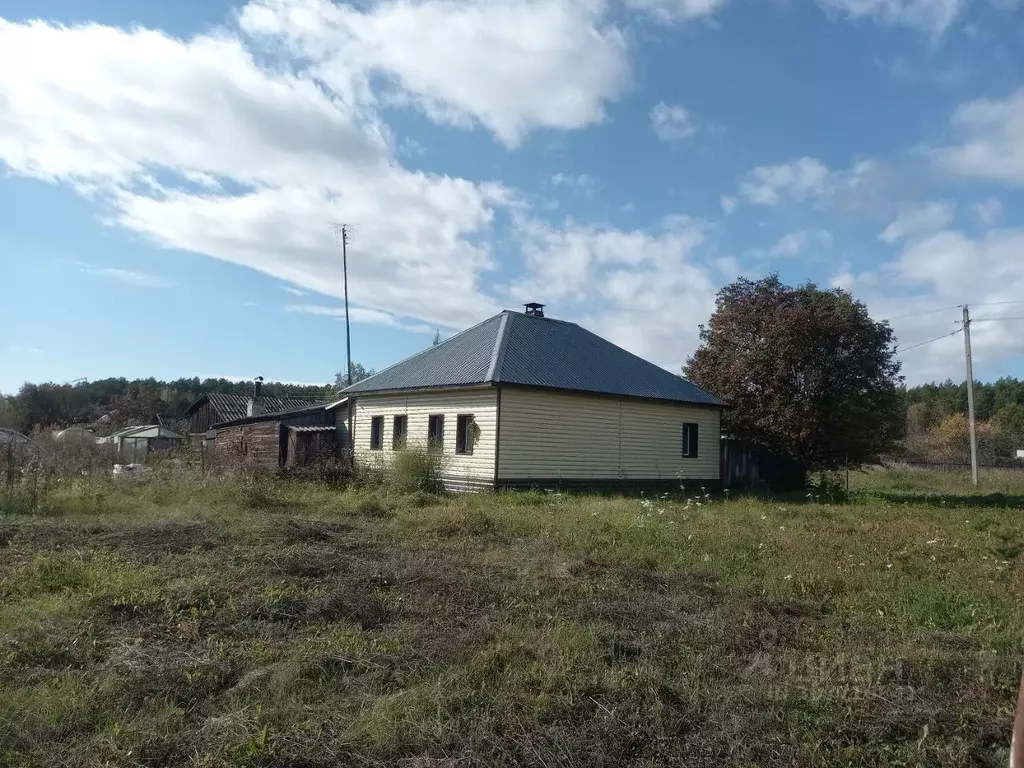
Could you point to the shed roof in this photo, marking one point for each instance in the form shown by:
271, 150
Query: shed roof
231, 407
518, 349
275, 415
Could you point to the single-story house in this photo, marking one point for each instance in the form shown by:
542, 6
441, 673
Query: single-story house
288, 438
523, 400
216, 408
133, 445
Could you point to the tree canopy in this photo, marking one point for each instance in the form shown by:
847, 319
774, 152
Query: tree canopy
359, 372
808, 374
130, 401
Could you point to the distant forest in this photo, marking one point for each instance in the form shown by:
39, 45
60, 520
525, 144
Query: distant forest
125, 402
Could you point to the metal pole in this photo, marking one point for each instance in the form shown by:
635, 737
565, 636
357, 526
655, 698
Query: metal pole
344, 266
970, 396
1017, 740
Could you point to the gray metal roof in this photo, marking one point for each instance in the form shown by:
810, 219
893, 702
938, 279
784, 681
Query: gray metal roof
231, 407
518, 349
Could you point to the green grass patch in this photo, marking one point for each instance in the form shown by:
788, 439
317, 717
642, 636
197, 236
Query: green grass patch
180, 620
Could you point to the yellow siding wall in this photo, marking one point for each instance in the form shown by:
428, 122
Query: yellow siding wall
553, 435
475, 469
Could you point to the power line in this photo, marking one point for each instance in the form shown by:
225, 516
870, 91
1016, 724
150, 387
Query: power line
995, 319
955, 306
930, 341
926, 312
997, 303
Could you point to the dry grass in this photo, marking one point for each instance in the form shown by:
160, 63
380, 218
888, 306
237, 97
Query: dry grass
163, 621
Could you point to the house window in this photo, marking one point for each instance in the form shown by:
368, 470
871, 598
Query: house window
435, 432
399, 432
689, 441
376, 433
465, 431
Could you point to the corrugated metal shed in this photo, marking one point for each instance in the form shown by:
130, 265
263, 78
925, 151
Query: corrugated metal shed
231, 407
519, 349
311, 429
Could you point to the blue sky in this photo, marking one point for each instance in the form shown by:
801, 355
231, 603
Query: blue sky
168, 172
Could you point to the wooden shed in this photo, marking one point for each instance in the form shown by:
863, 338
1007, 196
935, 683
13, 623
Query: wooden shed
288, 438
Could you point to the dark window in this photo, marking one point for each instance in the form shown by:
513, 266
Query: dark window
465, 431
689, 441
399, 433
376, 433
435, 432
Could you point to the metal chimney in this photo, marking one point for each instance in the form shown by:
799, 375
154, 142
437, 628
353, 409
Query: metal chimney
534, 309
255, 405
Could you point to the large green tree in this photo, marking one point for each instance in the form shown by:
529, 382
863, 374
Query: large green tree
806, 372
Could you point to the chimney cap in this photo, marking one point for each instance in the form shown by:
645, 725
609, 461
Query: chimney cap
534, 309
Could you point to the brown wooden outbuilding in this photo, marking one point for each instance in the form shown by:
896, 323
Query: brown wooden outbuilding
292, 438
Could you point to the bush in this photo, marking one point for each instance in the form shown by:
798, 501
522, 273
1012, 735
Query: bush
415, 469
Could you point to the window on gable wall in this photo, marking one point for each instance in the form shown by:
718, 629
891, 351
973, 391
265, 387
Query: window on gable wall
689, 440
399, 432
465, 429
376, 433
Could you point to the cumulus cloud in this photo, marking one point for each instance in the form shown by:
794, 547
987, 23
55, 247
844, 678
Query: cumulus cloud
652, 288
137, 118
672, 123
939, 272
582, 184
729, 205
798, 180
510, 65
992, 141
918, 219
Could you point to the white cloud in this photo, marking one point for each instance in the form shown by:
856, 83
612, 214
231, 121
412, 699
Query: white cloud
944, 270
799, 242
123, 114
799, 180
988, 211
141, 279
652, 290
582, 184
510, 65
361, 315
807, 179
672, 123
674, 11
729, 205
918, 220
933, 16
993, 141
293, 291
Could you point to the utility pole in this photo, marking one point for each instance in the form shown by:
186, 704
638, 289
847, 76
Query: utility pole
341, 231
970, 396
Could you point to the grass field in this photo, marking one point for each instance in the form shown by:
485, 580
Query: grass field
170, 622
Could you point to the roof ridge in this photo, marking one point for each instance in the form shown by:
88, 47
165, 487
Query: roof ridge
429, 349
498, 355
545, 317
